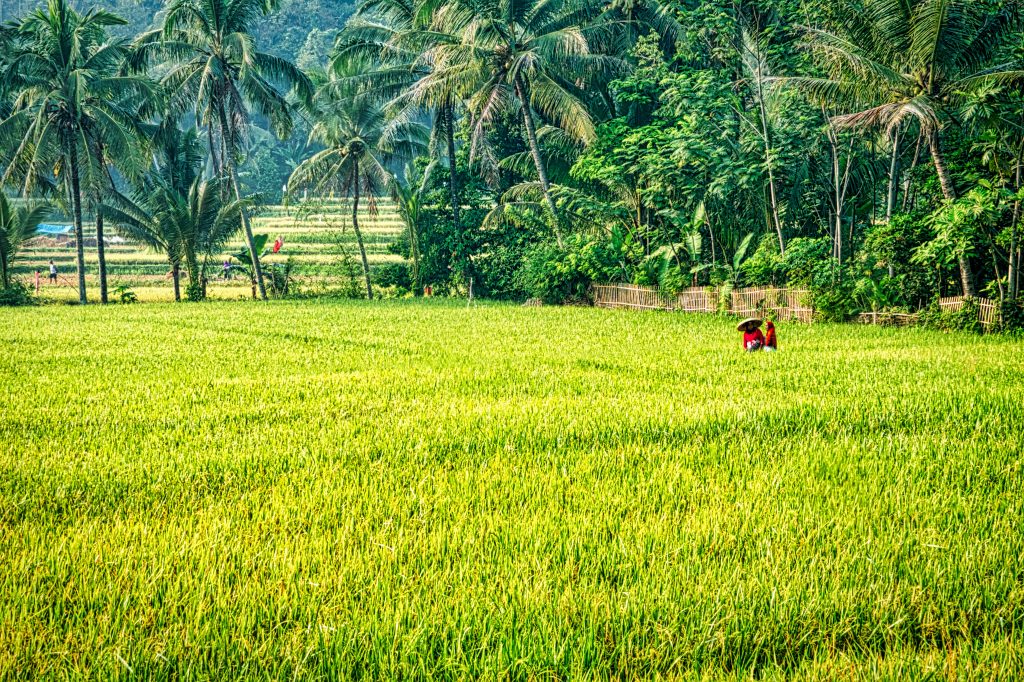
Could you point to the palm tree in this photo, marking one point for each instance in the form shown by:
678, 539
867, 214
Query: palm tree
528, 56
914, 59
188, 227
71, 96
361, 148
410, 194
394, 35
16, 226
220, 75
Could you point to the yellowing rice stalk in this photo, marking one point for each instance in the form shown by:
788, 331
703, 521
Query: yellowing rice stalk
414, 490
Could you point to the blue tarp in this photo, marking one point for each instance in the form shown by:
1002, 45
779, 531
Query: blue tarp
53, 229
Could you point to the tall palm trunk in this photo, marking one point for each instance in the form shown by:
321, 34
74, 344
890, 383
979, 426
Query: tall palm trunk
101, 247
176, 276
229, 163
1013, 272
76, 207
949, 192
772, 195
414, 247
101, 254
542, 175
359, 235
894, 171
452, 186
891, 195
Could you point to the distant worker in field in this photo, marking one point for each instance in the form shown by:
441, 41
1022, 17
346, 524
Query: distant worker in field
753, 339
227, 269
37, 281
53, 272
771, 343
278, 243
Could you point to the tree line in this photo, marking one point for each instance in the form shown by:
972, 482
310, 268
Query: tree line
871, 150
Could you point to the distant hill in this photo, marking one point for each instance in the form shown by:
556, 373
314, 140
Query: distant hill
283, 33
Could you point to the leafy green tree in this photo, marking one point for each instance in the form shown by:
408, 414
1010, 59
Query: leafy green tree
220, 76
16, 226
914, 59
71, 97
533, 56
361, 148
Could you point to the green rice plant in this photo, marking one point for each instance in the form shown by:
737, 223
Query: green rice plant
425, 490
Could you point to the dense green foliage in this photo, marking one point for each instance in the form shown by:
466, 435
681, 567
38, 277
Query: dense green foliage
417, 491
871, 150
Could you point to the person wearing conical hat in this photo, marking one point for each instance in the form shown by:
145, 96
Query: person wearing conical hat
753, 339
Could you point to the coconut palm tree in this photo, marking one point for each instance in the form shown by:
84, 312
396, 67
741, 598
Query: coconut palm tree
394, 36
220, 76
16, 226
71, 96
188, 227
362, 146
533, 57
914, 59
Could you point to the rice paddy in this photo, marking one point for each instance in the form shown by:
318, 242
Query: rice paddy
425, 490
320, 243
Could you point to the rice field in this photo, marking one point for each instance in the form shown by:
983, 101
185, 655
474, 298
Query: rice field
425, 490
318, 242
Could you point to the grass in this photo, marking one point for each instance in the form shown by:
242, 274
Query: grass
423, 490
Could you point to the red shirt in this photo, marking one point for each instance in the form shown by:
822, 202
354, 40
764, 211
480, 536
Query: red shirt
770, 339
755, 335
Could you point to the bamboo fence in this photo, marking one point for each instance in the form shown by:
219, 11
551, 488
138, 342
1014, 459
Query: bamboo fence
988, 310
782, 304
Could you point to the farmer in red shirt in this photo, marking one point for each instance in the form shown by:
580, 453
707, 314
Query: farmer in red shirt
770, 342
753, 339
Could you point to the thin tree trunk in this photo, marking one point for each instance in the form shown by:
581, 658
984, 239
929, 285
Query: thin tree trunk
1012, 273
949, 192
359, 235
910, 174
4, 277
101, 247
101, 254
176, 276
894, 171
768, 157
542, 175
891, 195
452, 186
229, 163
76, 204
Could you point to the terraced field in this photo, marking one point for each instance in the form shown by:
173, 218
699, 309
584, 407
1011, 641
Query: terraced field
321, 244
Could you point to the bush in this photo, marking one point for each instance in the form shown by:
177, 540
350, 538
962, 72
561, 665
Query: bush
965, 319
124, 294
16, 295
397, 275
556, 275
833, 303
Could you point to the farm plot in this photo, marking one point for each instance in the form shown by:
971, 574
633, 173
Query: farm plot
421, 490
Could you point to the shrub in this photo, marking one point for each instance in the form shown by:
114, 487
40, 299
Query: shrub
395, 275
124, 294
965, 319
17, 294
557, 275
